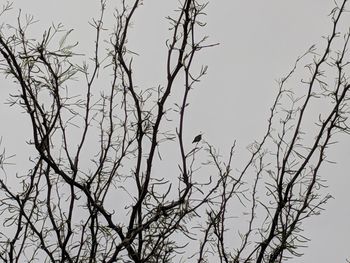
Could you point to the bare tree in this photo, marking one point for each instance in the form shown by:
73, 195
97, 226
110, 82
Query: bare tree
94, 194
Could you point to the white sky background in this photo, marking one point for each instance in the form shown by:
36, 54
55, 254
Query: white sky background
259, 42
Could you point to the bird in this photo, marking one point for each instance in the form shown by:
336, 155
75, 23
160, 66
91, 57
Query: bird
197, 138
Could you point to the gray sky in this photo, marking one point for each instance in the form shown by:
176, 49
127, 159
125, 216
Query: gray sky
259, 42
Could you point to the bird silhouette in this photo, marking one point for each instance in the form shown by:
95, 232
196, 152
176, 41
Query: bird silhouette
197, 138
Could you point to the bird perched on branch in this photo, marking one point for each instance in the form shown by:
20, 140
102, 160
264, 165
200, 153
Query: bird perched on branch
197, 138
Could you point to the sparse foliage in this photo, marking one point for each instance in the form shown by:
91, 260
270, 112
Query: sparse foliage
95, 193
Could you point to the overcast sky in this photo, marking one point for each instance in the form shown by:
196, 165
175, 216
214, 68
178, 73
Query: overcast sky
259, 41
